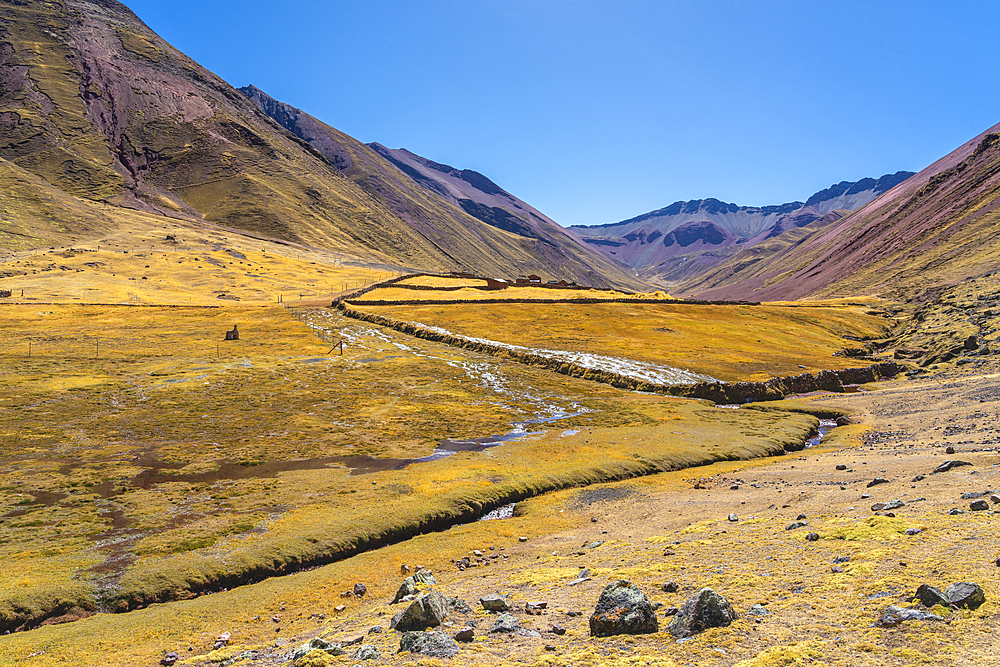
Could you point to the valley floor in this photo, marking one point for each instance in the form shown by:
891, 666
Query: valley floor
651, 531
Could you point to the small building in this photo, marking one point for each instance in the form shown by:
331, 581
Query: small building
535, 280
496, 283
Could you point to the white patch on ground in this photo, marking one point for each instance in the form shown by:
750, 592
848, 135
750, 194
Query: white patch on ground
639, 370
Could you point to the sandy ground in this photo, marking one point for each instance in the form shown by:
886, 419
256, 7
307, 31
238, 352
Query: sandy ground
662, 529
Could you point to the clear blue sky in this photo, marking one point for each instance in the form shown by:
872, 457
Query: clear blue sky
596, 111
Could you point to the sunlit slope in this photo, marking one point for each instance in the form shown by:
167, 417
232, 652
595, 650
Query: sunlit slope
935, 229
95, 106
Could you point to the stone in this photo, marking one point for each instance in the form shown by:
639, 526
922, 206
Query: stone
169, 659
758, 610
535, 607
965, 594
459, 605
979, 505
466, 634
317, 644
894, 615
841, 466
233, 335
670, 611
622, 609
494, 602
430, 644
706, 609
222, 640
550, 647
375, 630
930, 596
557, 630
876, 482
409, 585
733, 518
427, 611
367, 652
669, 587
891, 505
995, 499
949, 465
797, 524
522, 539
360, 590
954, 511
801, 517
913, 531
843, 421
505, 623
812, 537
919, 478
949, 450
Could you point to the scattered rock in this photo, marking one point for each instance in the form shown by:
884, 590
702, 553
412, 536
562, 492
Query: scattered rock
757, 610
733, 518
535, 607
494, 602
367, 652
505, 623
222, 640
797, 524
669, 587
582, 577
929, 596
892, 505
670, 611
841, 466
169, 659
955, 511
375, 630
913, 531
948, 465
801, 517
431, 644
994, 498
522, 539
550, 647
317, 644
812, 537
949, 450
707, 609
894, 615
427, 611
622, 610
360, 590
876, 482
836, 569
979, 505
466, 634
843, 421
919, 478
557, 630
459, 605
965, 594
409, 585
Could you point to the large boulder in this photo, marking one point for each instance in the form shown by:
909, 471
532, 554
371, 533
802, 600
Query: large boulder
623, 610
894, 615
494, 602
707, 609
411, 583
965, 594
505, 623
427, 611
930, 596
430, 644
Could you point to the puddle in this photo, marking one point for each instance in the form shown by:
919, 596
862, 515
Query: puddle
372, 360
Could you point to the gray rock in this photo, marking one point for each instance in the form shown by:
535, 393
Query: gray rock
360, 590
410, 584
375, 630
707, 609
796, 525
317, 644
929, 596
169, 659
459, 605
733, 518
582, 577
919, 478
994, 498
669, 587
505, 623
979, 505
557, 630
876, 482
757, 610
841, 466
965, 594
812, 537
913, 531
954, 511
367, 652
494, 602
894, 615
622, 609
948, 465
466, 634
431, 644
427, 611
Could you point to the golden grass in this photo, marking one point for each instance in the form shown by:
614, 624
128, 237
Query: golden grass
727, 342
472, 294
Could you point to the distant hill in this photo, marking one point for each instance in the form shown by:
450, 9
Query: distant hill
931, 231
99, 115
685, 238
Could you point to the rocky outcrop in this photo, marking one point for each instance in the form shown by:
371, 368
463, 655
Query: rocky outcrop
427, 611
623, 610
707, 609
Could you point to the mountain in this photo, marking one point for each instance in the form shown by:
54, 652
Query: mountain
100, 117
705, 231
931, 231
462, 212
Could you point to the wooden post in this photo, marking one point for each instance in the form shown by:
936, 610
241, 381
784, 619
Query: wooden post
97, 355
29, 349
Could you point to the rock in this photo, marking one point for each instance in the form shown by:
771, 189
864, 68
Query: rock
669, 587
913, 531
841, 466
535, 607
733, 518
876, 482
757, 610
949, 450
955, 511
317, 644
557, 630
948, 465
994, 498
812, 537
670, 611
494, 602
427, 611
622, 609
843, 421
707, 609
430, 644
919, 478
582, 577
459, 605
892, 505
169, 659
522, 539
979, 505
466, 634
367, 652
894, 615
965, 594
797, 524
550, 647
734, 487
375, 630
360, 590
801, 517
929, 596
222, 640
409, 585
836, 569
505, 623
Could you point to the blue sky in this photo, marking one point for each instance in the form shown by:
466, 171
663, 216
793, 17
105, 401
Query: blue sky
596, 111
